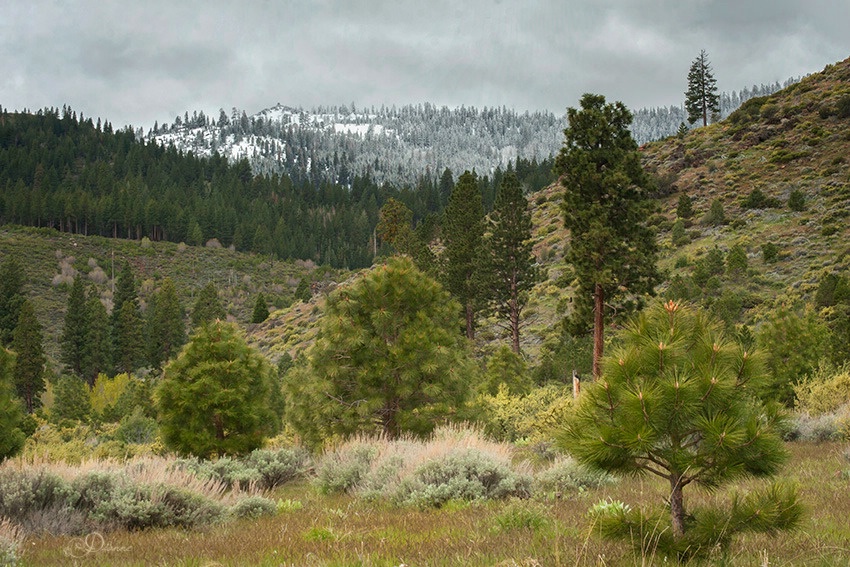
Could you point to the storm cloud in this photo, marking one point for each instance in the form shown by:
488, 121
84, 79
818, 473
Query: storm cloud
140, 62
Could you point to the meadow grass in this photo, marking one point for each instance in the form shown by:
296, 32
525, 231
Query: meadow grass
342, 529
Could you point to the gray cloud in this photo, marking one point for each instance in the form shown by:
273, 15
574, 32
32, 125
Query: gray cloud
136, 62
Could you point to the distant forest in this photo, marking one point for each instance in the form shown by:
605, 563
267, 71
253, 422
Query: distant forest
65, 172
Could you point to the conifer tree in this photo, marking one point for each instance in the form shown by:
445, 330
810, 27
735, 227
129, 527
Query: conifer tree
303, 292
207, 306
76, 329
606, 206
28, 345
11, 298
97, 353
677, 400
72, 400
261, 310
217, 397
11, 436
701, 98
165, 325
463, 232
511, 261
388, 359
128, 339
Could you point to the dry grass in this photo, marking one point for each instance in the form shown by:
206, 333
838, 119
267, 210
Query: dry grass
345, 530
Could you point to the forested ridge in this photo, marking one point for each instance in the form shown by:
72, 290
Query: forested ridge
68, 173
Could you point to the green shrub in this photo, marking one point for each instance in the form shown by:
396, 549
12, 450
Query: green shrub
522, 515
37, 500
231, 472
818, 428
678, 234
716, 214
136, 428
797, 201
769, 252
532, 416
566, 475
277, 467
253, 507
824, 391
465, 474
342, 469
758, 200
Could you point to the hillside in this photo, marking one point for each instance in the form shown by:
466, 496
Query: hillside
796, 139
50, 261
397, 146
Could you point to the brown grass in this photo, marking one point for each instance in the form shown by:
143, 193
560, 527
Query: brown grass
344, 530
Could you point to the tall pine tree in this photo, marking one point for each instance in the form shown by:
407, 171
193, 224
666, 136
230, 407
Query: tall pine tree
28, 344
463, 232
11, 437
606, 206
165, 327
97, 354
11, 298
701, 98
512, 263
76, 329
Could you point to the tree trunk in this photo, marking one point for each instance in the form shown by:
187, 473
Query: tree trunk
598, 329
470, 322
677, 505
219, 427
515, 326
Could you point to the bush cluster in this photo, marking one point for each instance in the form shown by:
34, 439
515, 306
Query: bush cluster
454, 464
531, 416
566, 475
262, 469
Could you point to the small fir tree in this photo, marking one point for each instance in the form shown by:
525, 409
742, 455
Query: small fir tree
303, 292
797, 201
685, 207
218, 396
76, 329
701, 98
388, 359
736, 261
716, 214
11, 436
28, 345
511, 260
261, 310
207, 306
128, 339
676, 400
678, 234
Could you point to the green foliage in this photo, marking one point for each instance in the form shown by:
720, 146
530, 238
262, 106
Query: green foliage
128, 339
303, 292
824, 391
30, 497
566, 475
71, 401
522, 515
758, 200
676, 400
253, 507
136, 428
388, 358
685, 207
711, 264
264, 469
343, 468
11, 297
463, 474
511, 262
797, 201
11, 416
76, 328
716, 215
261, 310
463, 232
27, 342
769, 252
678, 234
97, 353
736, 261
207, 307
532, 417
508, 368
794, 344
217, 397
606, 207
165, 329
701, 98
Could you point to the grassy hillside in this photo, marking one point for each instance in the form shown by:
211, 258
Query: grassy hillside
50, 259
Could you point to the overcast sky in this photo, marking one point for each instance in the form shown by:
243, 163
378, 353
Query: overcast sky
134, 62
